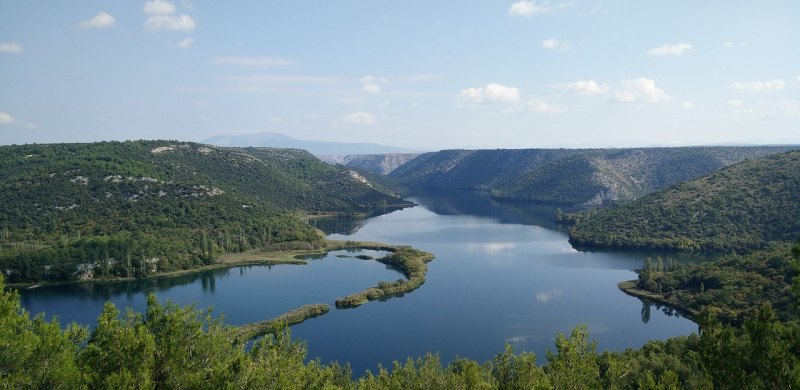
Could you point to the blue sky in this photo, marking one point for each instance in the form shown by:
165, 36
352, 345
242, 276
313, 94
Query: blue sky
420, 74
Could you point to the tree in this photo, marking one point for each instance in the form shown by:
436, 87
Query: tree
574, 364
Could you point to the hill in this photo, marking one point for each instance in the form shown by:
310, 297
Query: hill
377, 163
576, 177
111, 209
318, 148
739, 207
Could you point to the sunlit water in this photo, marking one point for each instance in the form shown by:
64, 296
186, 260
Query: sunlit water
495, 280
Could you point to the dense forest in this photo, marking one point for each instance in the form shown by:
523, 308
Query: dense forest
741, 207
130, 209
588, 177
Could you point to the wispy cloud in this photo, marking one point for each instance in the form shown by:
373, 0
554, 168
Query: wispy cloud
284, 79
640, 90
491, 93
531, 8
553, 44
186, 43
10, 47
759, 86
252, 61
372, 85
101, 20
8, 119
670, 49
162, 17
585, 88
358, 118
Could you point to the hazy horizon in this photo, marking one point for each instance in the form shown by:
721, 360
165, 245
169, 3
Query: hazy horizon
418, 75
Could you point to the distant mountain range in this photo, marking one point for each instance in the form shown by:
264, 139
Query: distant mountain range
579, 177
318, 148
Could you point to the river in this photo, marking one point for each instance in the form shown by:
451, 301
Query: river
503, 273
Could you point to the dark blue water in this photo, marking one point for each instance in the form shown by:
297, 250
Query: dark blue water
501, 274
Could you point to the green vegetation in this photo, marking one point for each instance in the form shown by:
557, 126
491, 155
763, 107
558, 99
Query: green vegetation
292, 317
412, 263
183, 347
588, 177
741, 207
730, 288
135, 209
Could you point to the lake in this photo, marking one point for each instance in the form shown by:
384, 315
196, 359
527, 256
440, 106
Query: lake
503, 273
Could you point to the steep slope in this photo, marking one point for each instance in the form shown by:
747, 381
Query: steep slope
377, 163
587, 177
71, 211
742, 206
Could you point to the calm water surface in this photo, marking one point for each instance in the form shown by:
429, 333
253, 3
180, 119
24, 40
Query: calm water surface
502, 274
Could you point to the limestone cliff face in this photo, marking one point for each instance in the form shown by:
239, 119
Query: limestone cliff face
378, 163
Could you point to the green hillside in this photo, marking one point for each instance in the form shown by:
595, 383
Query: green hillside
111, 209
740, 207
581, 177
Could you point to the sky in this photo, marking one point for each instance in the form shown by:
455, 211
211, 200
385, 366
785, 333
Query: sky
425, 75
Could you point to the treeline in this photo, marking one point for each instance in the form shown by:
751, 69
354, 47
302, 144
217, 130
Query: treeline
131, 209
184, 347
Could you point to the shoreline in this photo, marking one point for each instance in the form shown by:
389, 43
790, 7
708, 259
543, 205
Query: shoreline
629, 287
251, 257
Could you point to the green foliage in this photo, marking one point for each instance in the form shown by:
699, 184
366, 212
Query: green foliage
730, 288
574, 364
739, 208
130, 209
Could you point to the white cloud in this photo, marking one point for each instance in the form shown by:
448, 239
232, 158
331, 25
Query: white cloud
10, 47
169, 22
727, 45
759, 86
670, 49
372, 85
491, 93
7, 119
734, 103
252, 61
275, 119
158, 7
186, 43
162, 17
586, 88
640, 90
542, 107
359, 118
552, 44
101, 20
687, 104
532, 8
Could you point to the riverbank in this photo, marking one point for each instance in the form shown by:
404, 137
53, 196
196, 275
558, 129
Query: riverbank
630, 288
247, 258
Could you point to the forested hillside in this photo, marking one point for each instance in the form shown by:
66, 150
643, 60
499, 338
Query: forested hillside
129, 209
740, 207
587, 177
